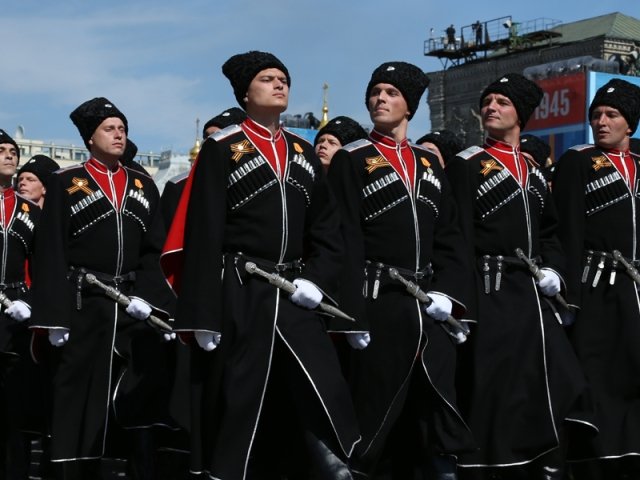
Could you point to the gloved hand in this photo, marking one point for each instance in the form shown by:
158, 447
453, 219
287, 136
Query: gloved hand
306, 295
138, 309
19, 311
58, 336
439, 308
169, 336
550, 284
358, 340
208, 341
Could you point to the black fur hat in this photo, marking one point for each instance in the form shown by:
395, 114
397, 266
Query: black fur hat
231, 116
88, 116
5, 138
242, 68
621, 95
345, 129
447, 142
523, 93
536, 147
409, 79
41, 166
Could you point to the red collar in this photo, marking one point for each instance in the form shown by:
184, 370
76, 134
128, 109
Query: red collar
615, 151
101, 167
8, 193
261, 131
387, 141
501, 146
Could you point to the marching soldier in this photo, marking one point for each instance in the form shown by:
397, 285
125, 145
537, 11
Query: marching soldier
398, 213
520, 381
257, 197
596, 190
101, 218
18, 220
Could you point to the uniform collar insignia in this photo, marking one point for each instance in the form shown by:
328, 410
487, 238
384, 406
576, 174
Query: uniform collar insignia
489, 166
241, 148
376, 162
600, 162
80, 184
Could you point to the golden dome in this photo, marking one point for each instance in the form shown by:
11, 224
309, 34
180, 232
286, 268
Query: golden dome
193, 153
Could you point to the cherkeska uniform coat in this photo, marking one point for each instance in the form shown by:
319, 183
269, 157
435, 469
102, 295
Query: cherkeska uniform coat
239, 206
107, 223
18, 219
519, 379
21, 389
598, 199
399, 215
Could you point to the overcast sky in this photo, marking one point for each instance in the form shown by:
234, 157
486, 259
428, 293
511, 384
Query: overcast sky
159, 61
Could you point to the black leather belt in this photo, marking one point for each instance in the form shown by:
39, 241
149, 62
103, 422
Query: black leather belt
376, 275
78, 273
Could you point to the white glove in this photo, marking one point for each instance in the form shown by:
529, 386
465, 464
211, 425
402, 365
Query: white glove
138, 309
169, 336
18, 310
439, 308
358, 340
550, 284
208, 341
307, 294
58, 336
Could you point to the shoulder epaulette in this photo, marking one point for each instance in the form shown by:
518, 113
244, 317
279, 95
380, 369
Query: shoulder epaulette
470, 152
362, 142
70, 167
138, 171
225, 132
584, 146
298, 137
179, 178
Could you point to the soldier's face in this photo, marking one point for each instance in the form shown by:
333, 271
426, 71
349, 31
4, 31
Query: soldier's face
8, 160
610, 129
30, 186
498, 114
268, 91
387, 106
109, 140
326, 147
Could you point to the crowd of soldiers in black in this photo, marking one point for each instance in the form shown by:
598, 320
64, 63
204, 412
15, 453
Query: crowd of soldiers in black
361, 308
